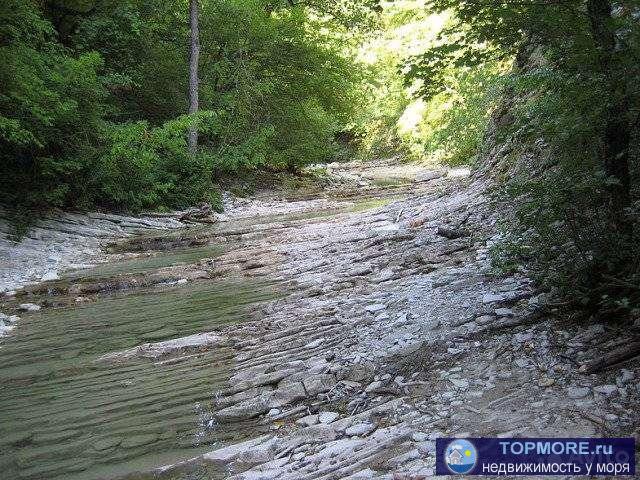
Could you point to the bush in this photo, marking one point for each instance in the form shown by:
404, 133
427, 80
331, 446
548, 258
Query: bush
150, 168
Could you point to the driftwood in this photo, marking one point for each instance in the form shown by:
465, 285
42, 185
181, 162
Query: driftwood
618, 355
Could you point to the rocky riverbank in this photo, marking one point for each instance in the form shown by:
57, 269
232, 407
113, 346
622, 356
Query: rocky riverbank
391, 330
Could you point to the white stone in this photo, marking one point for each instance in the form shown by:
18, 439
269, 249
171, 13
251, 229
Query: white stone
28, 307
376, 307
49, 276
360, 429
327, 417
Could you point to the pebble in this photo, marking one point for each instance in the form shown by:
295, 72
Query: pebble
546, 382
273, 412
504, 312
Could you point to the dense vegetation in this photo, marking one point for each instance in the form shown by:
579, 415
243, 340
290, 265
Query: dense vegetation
93, 97
568, 128
93, 102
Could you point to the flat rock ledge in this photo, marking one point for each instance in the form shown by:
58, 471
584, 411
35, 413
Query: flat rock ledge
157, 350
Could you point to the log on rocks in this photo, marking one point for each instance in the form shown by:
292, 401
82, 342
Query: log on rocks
618, 355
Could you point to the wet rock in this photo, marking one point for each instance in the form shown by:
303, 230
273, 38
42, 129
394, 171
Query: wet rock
160, 349
28, 307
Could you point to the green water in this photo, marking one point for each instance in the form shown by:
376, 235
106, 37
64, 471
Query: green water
65, 416
147, 263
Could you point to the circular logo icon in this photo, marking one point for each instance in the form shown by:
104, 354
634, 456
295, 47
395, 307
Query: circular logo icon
460, 456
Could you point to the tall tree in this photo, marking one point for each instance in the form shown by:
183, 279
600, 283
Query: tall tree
194, 55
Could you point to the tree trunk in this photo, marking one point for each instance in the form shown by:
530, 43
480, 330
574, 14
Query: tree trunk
194, 55
617, 131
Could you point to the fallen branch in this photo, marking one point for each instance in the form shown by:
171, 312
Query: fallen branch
614, 357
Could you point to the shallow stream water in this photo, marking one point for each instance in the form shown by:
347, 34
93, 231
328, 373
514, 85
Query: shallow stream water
63, 415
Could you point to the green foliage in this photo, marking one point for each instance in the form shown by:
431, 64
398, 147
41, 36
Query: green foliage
146, 168
570, 137
93, 92
50, 111
446, 125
